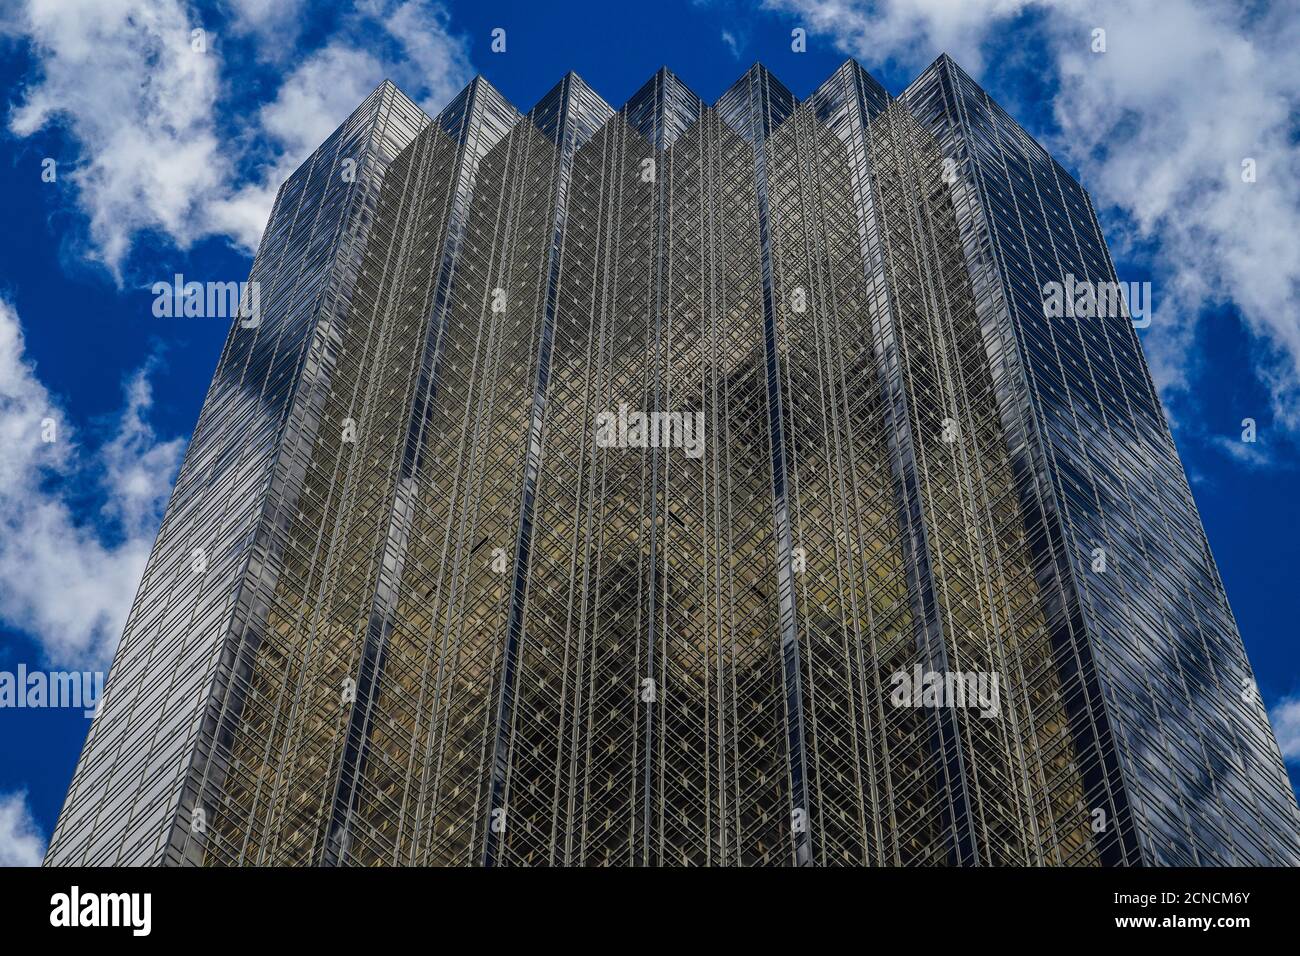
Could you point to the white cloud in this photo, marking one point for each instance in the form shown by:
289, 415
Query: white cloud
123, 79
423, 59
1285, 717
67, 583
21, 843
432, 65
1157, 126
166, 144
1251, 455
910, 32
729, 39
274, 20
311, 102
137, 467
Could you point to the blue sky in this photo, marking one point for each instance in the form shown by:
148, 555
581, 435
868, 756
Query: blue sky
166, 159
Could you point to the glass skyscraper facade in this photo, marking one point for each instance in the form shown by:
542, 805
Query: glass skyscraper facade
410, 604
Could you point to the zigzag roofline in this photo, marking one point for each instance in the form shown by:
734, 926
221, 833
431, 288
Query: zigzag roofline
664, 104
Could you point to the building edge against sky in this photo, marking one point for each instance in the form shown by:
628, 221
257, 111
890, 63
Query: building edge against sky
283, 707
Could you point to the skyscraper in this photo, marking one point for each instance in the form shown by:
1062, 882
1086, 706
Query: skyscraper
681, 485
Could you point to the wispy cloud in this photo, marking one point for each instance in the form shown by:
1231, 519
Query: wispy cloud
909, 32
732, 43
408, 42
66, 581
168, 140
278, 21
1252, 455
21, 842
1158, 126
1285, 717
